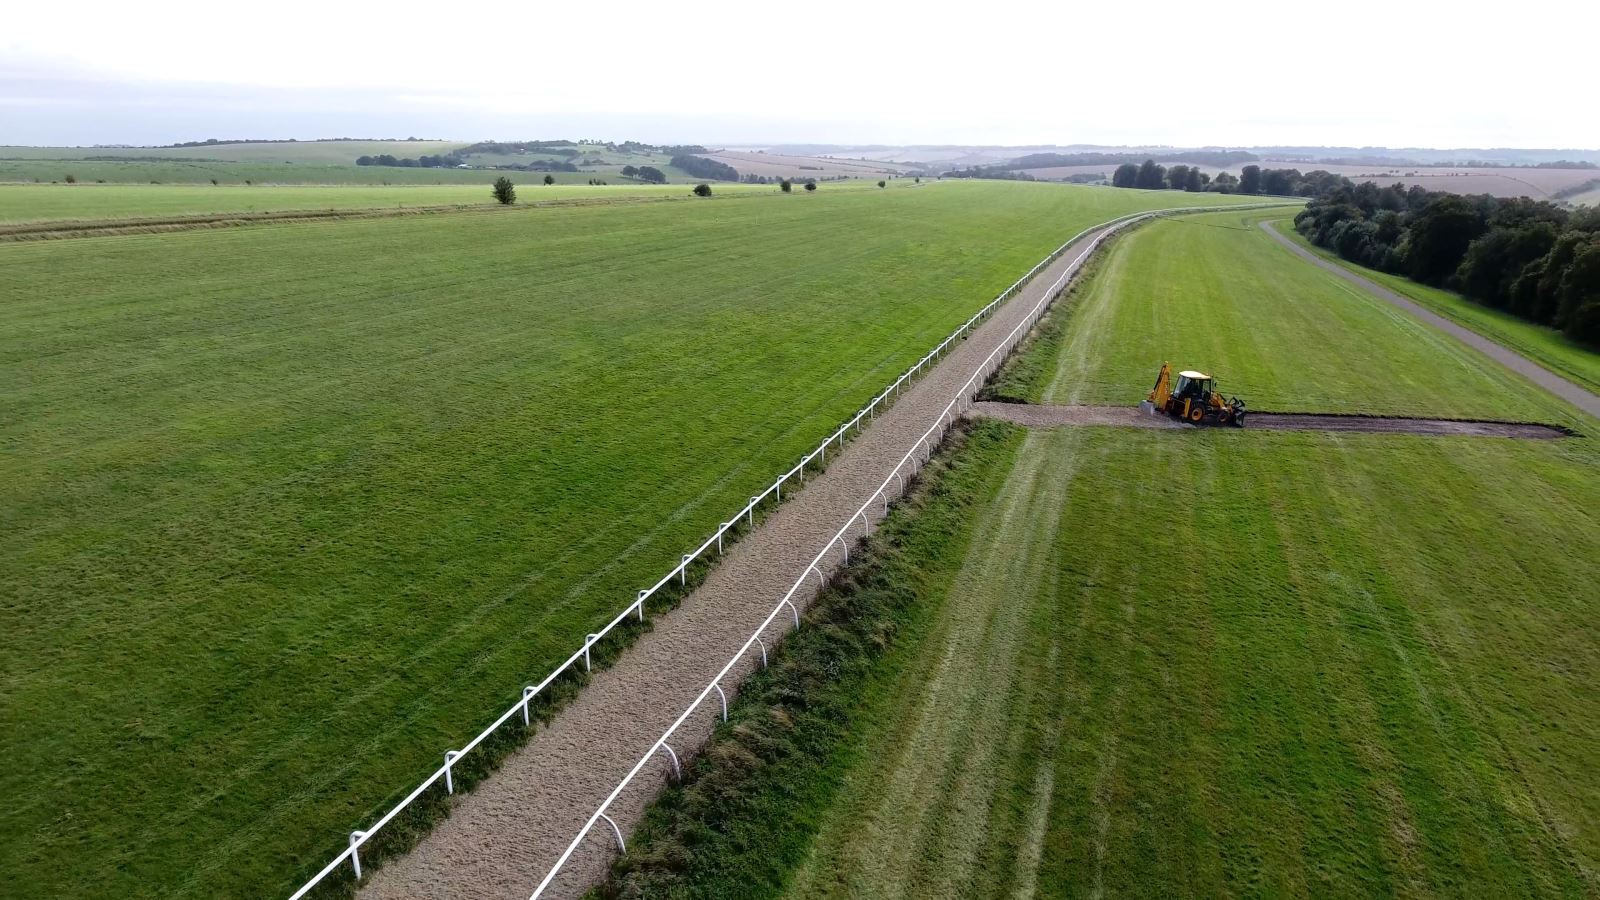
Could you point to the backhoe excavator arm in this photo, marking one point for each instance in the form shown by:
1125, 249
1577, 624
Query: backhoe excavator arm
1163, 388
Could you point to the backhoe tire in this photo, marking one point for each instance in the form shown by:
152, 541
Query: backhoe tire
1197, 414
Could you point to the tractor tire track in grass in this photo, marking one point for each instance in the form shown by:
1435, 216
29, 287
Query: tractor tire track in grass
923, 819
501, 839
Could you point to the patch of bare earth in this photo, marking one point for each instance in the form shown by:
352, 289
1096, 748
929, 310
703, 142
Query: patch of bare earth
1046, 416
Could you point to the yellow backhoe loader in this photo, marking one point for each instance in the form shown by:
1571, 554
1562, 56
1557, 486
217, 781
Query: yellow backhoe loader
1193, 400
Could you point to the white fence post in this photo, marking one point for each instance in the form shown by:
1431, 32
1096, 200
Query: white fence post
355, 851
616, 831
677, 770
449, 782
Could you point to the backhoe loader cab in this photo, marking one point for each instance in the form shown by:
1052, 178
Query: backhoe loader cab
1193, 399
1192, 386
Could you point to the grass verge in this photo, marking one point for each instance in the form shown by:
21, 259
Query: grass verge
746, 811
1212, 662
1546, 346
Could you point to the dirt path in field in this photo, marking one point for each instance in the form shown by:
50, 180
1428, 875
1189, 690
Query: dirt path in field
63, 229
1045, 416
1516, 362
501, 839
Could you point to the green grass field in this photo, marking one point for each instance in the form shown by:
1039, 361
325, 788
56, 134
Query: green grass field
1546, 346
28, 203
304, 163
49, 172
1269, 332
51, 202
291, 509
1196, 663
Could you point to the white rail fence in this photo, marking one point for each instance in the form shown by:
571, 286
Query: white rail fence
522, 706
908, 466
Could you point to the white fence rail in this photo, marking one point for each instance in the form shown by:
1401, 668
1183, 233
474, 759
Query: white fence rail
907, 467
680, 572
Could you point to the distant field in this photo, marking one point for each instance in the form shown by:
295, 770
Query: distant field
1546, 346
1061, 173
780, 166
1206, 292
1539, 184
290, 508
46, 202
311, 153
231, 173
1201, 663
333, 162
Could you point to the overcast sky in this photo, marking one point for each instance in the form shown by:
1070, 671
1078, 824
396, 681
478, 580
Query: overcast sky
1397, 73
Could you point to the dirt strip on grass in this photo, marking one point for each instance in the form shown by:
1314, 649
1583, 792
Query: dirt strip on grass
1572, 393
61, 229
500, 840
1046, 416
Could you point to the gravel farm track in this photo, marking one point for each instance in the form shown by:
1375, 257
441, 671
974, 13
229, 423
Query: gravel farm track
501, 839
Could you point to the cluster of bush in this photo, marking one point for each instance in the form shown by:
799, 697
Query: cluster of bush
504, 148
645, 173
442, 161
1533, 259
999, 173
666, 149
700, 167
541, 165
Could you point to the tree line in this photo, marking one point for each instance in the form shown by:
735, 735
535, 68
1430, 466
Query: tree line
1252, 179
442, 161
700, 167
504, 148
645, 173
1533, 259
1222, 159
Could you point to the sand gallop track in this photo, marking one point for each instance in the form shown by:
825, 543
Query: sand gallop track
501, 839
1045, 416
